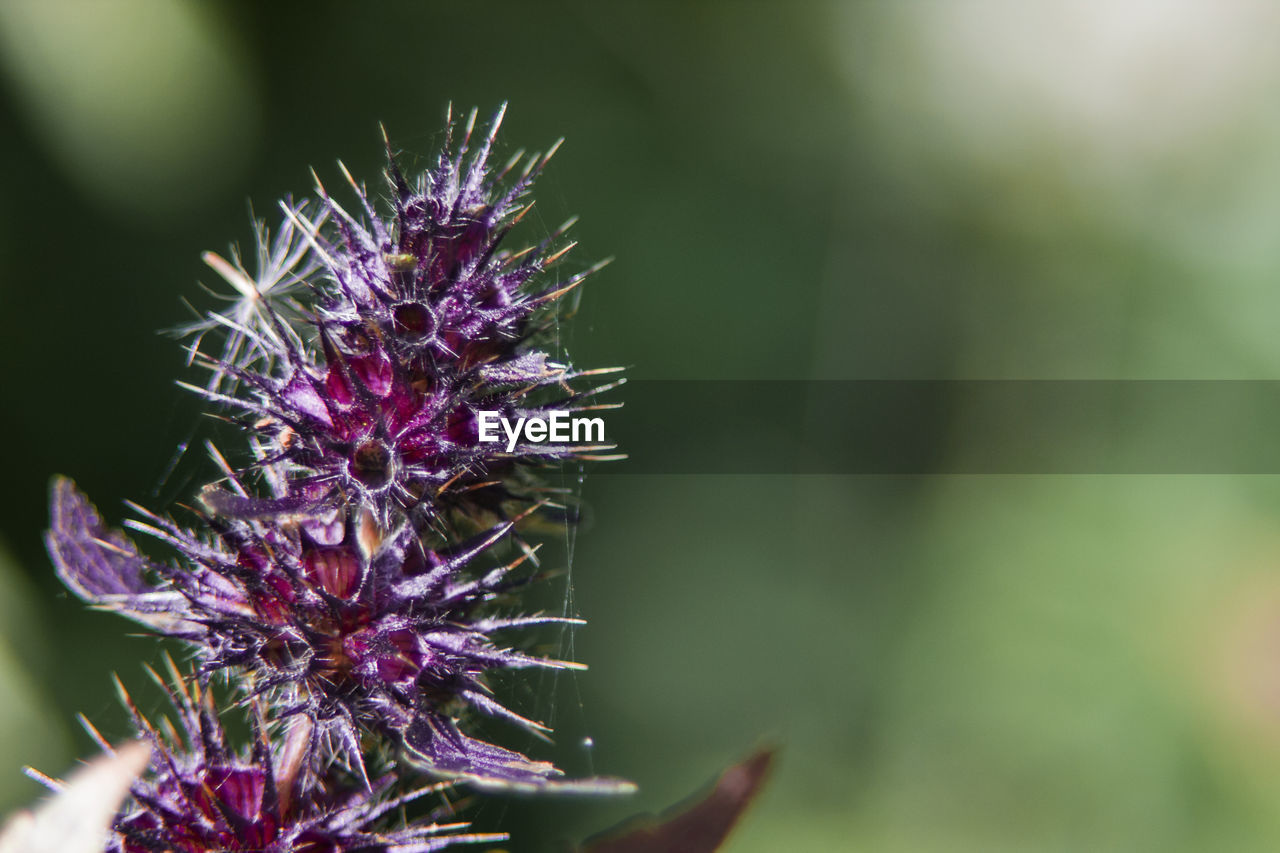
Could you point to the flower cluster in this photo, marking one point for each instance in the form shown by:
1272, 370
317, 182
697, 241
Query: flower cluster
202, 795
356, 574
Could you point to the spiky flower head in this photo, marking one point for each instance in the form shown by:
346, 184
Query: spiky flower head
417, 324
349, 569
353, 631
201, 794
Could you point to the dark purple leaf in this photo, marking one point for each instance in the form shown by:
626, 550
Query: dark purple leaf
701, 825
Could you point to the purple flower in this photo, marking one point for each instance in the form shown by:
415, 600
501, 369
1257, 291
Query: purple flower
352, 630
202, 795
349, 573
417, 324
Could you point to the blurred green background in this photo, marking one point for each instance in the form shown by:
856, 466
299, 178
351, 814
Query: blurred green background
1083, 189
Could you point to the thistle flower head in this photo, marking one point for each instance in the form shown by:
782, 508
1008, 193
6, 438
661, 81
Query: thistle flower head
202, 795
349, 569
350, 630
418, 323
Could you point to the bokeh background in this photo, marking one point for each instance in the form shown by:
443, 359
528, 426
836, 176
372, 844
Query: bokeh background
957, 189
